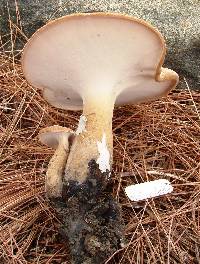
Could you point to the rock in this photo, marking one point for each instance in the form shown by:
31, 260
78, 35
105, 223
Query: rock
177, 20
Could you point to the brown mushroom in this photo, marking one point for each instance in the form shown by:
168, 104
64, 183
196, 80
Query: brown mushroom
58, 138
93, 61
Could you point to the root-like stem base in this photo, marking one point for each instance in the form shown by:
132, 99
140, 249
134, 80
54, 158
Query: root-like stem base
91, 218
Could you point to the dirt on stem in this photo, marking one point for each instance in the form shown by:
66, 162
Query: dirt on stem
91, 218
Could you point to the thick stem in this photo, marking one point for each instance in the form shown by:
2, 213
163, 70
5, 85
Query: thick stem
95, 142
91, 218
55, 171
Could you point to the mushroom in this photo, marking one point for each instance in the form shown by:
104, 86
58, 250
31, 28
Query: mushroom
58, 138
93, 61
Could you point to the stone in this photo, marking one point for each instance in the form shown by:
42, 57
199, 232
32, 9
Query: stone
177, 20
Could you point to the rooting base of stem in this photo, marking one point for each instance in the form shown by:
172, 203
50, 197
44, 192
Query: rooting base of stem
91, 218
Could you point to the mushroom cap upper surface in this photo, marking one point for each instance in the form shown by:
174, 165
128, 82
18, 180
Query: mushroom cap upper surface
97, 54
50, 136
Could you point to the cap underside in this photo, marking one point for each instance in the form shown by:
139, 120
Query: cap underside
101, 55
51, 139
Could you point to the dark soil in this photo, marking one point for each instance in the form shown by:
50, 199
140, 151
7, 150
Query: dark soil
91, 218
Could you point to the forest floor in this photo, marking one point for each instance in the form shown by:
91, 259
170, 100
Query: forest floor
151, 141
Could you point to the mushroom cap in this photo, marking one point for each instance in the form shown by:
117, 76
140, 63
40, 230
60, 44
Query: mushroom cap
51, 136
98, 54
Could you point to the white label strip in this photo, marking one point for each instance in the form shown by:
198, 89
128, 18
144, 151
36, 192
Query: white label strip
147, 190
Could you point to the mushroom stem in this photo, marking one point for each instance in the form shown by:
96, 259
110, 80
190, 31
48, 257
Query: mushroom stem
55, 171
95, 142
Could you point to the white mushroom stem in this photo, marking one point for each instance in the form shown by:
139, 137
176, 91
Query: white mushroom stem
56, 168
98, 111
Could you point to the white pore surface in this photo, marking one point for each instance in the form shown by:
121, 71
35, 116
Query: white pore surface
104, 155
81, 125
147, 190
80, 55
